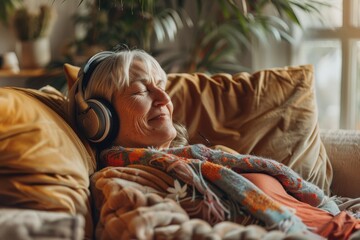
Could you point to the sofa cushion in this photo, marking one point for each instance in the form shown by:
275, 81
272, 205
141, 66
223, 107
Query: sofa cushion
270, 113
21, 224
43, 164
71, 73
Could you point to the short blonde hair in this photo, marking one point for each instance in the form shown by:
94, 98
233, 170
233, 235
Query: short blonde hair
182, 136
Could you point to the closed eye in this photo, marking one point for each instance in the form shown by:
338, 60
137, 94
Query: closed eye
141, 92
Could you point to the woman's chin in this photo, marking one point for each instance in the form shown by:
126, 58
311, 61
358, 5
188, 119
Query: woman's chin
164, 140
160, 121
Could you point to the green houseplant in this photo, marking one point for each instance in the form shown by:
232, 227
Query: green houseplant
211, 38
133, 23
30, 26
7, 7
32, 30
184, 35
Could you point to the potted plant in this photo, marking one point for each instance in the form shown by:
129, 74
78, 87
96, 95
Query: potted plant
109, 23
32, 30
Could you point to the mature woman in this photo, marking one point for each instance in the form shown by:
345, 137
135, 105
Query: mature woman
123, 110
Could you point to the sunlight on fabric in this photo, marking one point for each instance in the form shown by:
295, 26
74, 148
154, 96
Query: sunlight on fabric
357, 101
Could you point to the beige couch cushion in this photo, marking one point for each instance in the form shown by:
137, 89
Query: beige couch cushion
43, 164
343, 148
270, 113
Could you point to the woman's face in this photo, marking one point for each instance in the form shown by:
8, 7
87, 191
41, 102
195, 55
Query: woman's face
145, 112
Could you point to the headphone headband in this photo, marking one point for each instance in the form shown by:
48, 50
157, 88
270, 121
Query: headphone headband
91, 65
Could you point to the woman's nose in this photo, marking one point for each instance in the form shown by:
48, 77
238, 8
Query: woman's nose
161, 97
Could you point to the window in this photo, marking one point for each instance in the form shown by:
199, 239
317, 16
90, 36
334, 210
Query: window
333, 47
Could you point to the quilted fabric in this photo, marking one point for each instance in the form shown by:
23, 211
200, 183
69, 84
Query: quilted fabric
131, 205
270, 113
20, 224
43, 164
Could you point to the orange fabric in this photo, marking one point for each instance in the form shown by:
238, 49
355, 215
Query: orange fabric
338, 227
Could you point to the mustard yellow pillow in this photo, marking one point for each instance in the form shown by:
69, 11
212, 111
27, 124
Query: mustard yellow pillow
43, 164
270, 113
71, 73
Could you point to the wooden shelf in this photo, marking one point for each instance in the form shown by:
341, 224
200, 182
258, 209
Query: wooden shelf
31, 73
33, 78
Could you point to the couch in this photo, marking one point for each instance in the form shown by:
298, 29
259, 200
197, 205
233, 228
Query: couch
46, 166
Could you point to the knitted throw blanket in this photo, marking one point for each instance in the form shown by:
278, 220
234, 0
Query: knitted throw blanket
208, 170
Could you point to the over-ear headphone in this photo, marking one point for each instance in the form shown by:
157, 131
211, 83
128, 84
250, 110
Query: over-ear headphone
95, 117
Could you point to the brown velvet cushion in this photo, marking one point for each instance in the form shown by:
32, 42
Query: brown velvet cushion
270, 113
43, 164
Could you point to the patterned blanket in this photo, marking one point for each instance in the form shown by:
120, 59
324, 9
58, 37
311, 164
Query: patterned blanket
225, 193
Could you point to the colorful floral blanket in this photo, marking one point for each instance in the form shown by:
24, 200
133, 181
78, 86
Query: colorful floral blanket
225, 193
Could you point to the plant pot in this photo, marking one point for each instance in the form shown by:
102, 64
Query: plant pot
33, 54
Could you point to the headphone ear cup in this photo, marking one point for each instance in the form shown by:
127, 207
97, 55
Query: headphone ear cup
100, 123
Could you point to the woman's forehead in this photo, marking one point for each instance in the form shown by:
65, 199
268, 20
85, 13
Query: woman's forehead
145, 73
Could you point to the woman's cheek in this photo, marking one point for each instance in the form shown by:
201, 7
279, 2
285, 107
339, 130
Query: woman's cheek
134, 109
137, 113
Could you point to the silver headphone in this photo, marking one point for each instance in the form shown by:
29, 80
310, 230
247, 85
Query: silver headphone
95, 117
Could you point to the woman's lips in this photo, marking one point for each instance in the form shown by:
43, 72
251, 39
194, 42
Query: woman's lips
158, 117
